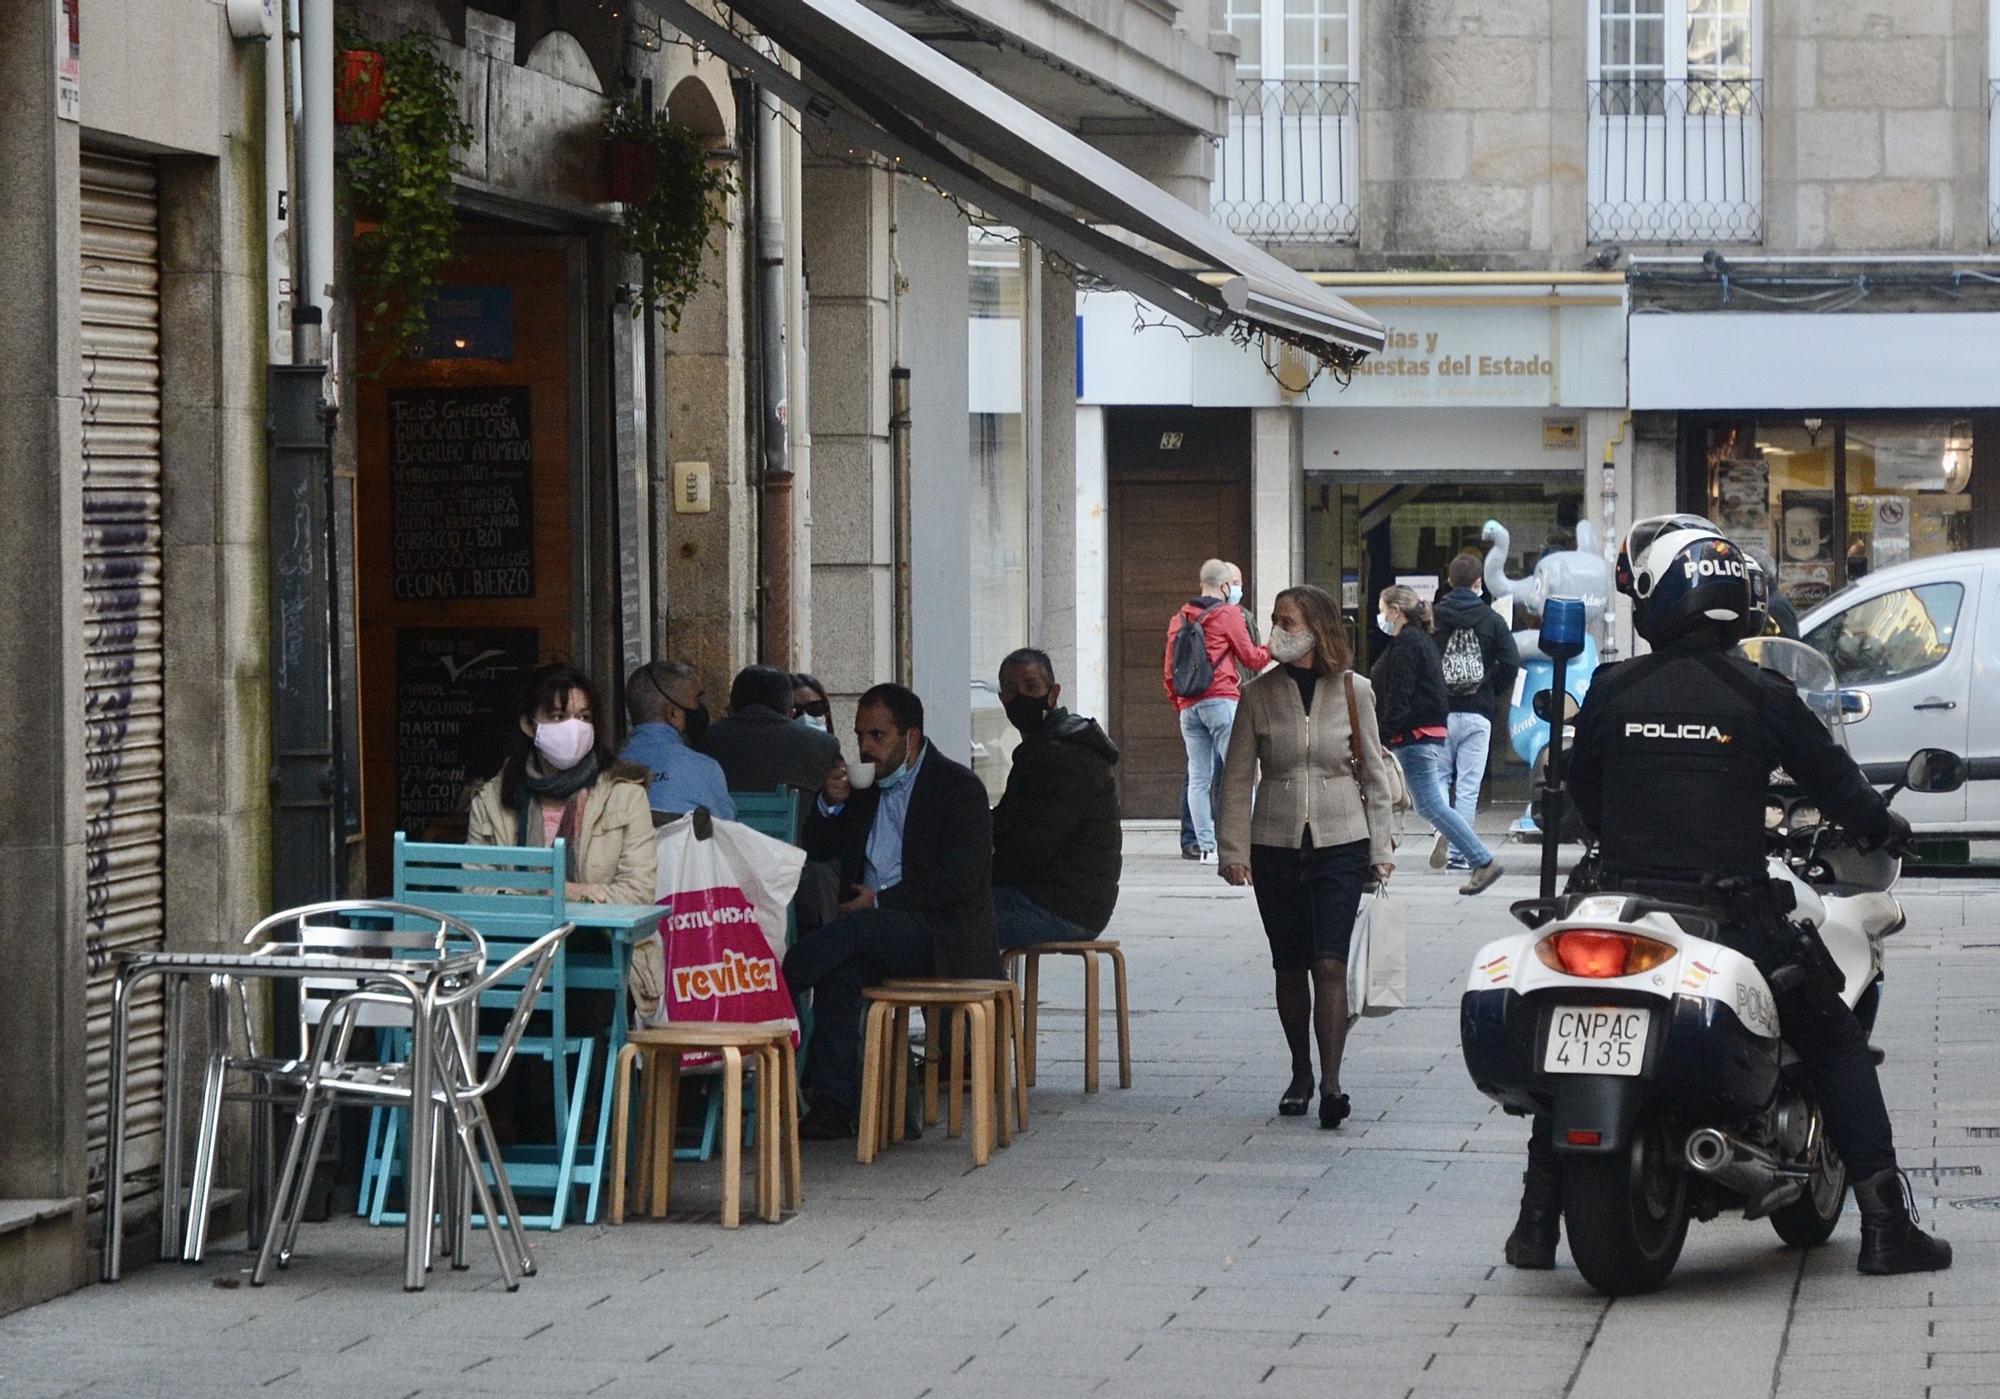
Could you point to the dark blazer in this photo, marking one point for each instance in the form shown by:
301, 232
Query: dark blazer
947, 861
761, 749
1409, 685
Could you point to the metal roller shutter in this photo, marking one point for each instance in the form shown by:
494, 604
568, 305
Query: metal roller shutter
125, 815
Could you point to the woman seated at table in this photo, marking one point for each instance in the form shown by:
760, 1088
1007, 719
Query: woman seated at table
562, 780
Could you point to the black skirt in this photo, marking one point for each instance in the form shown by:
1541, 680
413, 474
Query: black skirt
1309, 898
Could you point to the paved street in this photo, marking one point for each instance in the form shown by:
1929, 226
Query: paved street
1174, 1239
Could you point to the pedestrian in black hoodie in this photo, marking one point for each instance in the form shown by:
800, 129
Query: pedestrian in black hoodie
1479, 661
1056, 837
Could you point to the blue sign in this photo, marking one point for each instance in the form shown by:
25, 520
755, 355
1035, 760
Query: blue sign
471, 323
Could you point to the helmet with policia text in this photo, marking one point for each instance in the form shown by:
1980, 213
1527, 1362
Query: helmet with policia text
1683, 574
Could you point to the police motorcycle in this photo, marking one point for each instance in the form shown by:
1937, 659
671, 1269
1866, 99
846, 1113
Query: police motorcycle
1656, 1048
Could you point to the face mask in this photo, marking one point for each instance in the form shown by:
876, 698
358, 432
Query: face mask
1235, 593
1289, 646
1026, 712
696, 721
814, 721
564, 743
1382, 621
894, 777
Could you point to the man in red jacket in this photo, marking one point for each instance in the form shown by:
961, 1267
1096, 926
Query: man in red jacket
1206, 718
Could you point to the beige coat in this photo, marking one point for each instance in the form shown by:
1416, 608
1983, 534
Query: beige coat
615, 854
1306, 776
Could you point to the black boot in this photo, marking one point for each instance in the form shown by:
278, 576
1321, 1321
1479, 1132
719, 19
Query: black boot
1891, 1242
1533, 1242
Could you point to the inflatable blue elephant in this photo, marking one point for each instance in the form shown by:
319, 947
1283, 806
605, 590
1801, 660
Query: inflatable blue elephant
1579, 573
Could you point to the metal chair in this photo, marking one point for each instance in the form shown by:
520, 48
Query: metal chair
457, 1095
341, 927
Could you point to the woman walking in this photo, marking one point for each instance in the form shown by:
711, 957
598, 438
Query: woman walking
1305, 738
1412, 707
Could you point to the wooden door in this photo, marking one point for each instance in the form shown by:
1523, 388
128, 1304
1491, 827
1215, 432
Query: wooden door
464, 535
1171, 509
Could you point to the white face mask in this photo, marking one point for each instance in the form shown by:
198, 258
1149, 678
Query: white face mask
1289, 646
563, 743
1382, 621
814, 721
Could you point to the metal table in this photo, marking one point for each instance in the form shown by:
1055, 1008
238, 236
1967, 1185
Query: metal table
417, 978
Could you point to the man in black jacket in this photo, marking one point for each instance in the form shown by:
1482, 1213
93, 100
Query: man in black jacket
1056, 837
915, 847
760, 746
1480, 662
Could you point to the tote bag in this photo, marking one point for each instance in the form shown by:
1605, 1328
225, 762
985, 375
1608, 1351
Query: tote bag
1377, 957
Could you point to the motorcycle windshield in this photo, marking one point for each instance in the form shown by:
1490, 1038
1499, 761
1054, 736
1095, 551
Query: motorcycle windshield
1806, 668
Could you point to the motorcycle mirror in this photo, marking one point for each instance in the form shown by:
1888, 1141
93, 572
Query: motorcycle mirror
1934, 770
1855, 705
1541, 705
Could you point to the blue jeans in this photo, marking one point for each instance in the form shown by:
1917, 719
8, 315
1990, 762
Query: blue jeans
1023, 922
1424, 767
1188, 841
1205, 729
1471, 736
835, 963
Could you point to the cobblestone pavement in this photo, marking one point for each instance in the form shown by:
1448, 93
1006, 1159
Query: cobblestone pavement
1174, 1239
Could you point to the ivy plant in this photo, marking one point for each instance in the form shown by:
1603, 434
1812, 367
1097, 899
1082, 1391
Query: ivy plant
671, 225
400, 172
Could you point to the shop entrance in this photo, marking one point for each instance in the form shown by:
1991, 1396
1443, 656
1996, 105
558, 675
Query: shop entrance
1365, 533
1179, 494
465, 573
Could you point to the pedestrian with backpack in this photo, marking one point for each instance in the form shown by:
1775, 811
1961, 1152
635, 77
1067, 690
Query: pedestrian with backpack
1480, 662
1208, 650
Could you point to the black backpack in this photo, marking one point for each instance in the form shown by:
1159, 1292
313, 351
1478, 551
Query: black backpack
1193, 674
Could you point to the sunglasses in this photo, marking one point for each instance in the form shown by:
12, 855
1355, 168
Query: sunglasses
821, 710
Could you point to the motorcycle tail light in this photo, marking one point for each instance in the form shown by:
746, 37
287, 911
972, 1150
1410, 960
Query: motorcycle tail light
1602, 952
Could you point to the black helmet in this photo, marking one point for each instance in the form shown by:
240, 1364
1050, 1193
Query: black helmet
1682, 574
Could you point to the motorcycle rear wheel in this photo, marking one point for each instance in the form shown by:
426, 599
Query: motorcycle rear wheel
1810, 1220
1627, 1212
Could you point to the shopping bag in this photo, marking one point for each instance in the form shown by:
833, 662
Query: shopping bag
718, 954
1378, 957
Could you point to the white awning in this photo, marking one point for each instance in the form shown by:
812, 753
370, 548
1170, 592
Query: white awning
877, 85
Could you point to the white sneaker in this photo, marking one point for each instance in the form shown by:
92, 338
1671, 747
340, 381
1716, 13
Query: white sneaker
1440, 851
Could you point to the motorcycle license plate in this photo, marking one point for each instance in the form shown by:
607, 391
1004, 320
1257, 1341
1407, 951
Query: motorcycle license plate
1597, 1040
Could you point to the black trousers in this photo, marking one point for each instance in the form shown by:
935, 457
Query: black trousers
1833, 1044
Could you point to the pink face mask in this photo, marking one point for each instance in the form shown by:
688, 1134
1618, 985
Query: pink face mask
563, 743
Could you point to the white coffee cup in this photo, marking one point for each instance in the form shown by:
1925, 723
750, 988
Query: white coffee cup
861, 776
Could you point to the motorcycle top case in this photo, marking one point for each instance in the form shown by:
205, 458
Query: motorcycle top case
1713, 1034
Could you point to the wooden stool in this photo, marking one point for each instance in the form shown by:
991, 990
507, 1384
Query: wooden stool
780, 1175
1089, 952
885, 1060
1010, 1065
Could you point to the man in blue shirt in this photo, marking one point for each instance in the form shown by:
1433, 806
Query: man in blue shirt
915, 849
664, 700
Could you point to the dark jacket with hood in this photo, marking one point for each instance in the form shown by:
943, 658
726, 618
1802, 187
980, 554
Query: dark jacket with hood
1461, 609
1409, 685
1056, 836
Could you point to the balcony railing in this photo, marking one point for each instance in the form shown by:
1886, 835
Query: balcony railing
1288, 171
1676, 160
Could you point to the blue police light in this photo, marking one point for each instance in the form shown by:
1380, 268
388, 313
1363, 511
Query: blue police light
1562, 628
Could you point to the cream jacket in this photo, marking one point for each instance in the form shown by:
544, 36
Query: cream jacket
615, 854
1306, 776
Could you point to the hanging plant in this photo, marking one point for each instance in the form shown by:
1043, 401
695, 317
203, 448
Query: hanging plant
400, 172
674, 199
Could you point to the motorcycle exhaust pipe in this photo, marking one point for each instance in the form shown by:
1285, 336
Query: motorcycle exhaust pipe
1743, 1169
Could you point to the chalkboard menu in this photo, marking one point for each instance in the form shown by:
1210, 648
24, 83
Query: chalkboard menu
456, 689
461, 494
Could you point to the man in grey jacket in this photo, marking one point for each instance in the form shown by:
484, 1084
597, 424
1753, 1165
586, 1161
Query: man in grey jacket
1480, 663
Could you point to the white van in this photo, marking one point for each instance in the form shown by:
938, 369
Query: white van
1922, 641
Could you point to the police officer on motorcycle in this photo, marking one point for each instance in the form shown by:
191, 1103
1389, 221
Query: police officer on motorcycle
1682, 743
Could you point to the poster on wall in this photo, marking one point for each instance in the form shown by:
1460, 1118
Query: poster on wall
1805, 585
1743, 500
455, 700
461, 494
1806, 530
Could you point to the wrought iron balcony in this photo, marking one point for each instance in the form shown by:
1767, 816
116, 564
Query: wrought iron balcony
1288, 168
1676, 160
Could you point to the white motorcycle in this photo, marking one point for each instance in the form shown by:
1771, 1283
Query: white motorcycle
1656, 1048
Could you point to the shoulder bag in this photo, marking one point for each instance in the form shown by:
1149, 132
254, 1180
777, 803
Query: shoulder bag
1399, 789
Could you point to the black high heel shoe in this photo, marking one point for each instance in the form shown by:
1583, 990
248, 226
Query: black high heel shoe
1333, 1110
1297, 1097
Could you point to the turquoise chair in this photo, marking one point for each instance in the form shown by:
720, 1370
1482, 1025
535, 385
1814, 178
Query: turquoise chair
512, 895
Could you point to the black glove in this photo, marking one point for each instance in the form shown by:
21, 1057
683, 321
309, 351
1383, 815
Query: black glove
1895, 834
